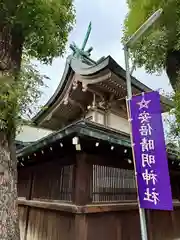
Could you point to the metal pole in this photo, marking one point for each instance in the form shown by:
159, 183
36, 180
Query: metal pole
142, 216
143, 28
128, 76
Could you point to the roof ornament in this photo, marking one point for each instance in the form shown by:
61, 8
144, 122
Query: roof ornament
80, 53
86, 38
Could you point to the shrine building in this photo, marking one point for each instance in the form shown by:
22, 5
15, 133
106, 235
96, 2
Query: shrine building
77, 181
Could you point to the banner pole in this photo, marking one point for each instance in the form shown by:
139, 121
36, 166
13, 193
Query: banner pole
144, 235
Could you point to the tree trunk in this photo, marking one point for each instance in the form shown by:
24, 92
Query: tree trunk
11, 42
173, 67
9, 225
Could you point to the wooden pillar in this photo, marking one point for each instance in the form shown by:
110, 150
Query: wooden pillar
83, 180
82, 192
81, 227
149, 224
29, 197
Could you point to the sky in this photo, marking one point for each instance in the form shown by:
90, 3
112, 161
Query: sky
107, 17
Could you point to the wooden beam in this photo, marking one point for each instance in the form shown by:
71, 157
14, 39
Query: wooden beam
86, 209
111, 207
77, 104
50, 205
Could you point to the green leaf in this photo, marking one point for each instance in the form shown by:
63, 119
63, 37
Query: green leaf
152, 50
19, 98
45, 25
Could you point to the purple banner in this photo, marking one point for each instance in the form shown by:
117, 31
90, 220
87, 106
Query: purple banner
153, 180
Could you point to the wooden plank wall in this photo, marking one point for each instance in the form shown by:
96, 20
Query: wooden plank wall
50, 181
125, 226
114, 226
53, 183
49, 225
44, 224
23, 210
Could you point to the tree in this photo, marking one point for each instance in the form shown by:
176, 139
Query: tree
160, 48
40, 28
174, 124
16, 100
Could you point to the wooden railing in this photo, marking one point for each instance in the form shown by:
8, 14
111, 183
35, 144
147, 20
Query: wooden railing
47, 183
113, 184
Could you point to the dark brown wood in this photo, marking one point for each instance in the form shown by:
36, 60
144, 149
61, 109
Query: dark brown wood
175, 220
83, 179
23, 221
118, 227
11, 44
24, 183
161, 225
114, 184
113, 216
50, 225
174, 223
31, 181
80, 227
102, 208
49, 205
173, 66
107, 160
101, 222
53, 181
104, 226
149, 224
130, 225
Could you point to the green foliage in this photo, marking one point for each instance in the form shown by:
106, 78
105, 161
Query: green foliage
18, 97
150, 51
44, 25
162, 38
175, 125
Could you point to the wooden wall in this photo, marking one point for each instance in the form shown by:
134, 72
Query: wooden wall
96, 223
113, 226
84, 201
124, 225
49, 181
44, 224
